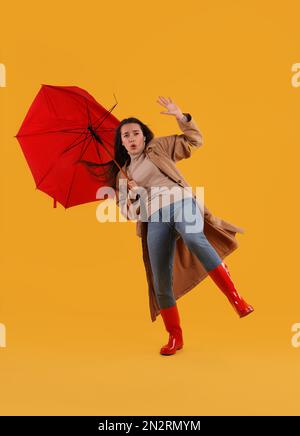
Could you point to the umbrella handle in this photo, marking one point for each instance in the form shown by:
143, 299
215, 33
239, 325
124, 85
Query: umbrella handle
121, 170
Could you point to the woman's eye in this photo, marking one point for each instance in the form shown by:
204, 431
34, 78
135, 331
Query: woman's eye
126, 135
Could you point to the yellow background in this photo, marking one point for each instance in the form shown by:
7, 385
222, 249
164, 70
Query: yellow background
73, 293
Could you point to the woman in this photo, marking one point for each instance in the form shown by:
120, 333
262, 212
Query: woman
168, 216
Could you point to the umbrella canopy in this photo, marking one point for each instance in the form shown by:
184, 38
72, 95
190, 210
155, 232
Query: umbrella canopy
67, 138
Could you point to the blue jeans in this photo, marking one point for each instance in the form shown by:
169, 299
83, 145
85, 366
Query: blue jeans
185, 217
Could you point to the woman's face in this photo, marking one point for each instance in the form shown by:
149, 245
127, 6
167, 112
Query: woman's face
132, 138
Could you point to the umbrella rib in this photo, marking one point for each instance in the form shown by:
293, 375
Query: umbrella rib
51, 107
97, 149
110, 110
106, 149
106, 130
53, 131
64, 151
90, 122
89, 115
73, 176
98, 152
73, 144
105, 116
94, 164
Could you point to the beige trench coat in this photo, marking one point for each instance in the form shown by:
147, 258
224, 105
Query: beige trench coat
188, 271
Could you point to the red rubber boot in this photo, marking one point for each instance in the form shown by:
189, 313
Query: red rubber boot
171, 320
221, 277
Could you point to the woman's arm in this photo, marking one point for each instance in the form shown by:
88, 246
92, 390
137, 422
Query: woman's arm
124, 201
180, 146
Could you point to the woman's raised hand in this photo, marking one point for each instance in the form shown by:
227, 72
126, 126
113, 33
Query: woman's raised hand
168, 103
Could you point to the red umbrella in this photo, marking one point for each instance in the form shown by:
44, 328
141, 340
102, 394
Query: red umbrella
67, 138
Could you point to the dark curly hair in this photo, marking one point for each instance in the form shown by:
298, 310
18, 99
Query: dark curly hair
121, 154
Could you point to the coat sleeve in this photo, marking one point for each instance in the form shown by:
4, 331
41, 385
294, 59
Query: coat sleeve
180, 146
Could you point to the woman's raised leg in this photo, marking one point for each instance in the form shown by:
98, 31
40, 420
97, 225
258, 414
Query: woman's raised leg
191, 230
